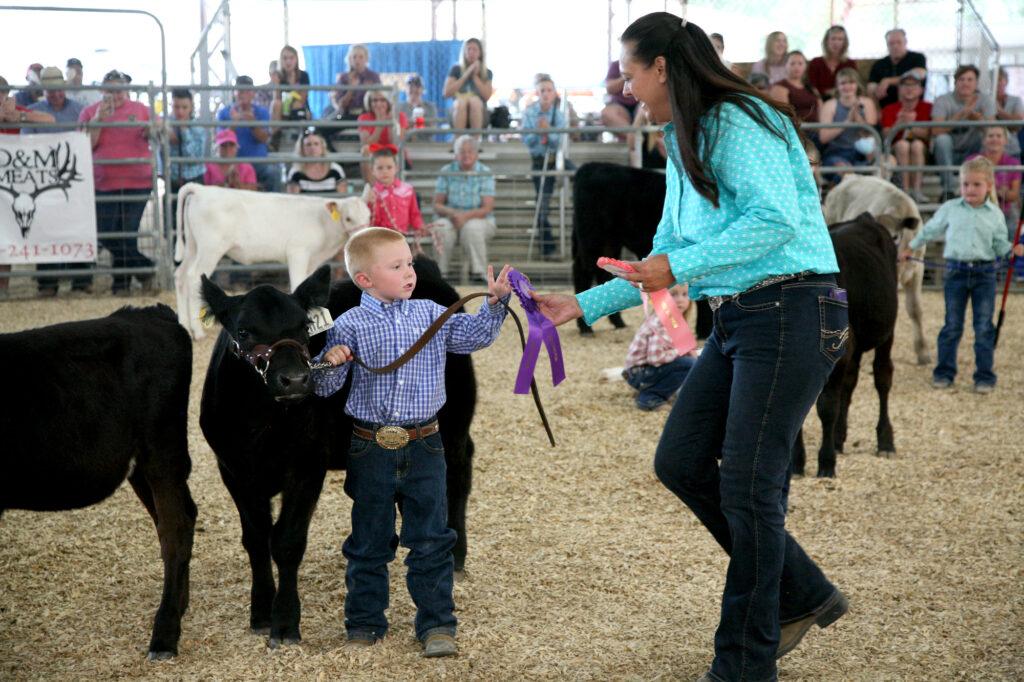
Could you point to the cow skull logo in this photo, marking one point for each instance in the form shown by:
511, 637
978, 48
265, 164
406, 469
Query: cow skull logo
24, 203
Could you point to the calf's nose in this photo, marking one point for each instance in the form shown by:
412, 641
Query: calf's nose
293, 383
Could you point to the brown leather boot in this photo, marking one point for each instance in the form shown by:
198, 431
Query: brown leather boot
826, 614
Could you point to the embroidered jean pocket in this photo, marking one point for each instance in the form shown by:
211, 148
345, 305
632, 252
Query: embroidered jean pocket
835, 324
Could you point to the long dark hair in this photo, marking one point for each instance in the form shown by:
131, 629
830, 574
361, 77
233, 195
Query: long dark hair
698, 84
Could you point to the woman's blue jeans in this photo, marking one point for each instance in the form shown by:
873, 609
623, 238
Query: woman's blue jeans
413, 479
743, 403
974, 281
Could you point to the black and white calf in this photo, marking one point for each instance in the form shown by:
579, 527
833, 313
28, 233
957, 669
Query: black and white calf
97, 402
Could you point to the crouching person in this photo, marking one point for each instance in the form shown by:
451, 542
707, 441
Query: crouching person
397, 456
653, 365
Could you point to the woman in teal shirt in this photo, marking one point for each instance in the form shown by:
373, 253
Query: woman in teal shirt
743, 227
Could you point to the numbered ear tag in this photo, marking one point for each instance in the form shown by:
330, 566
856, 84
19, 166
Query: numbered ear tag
320, 320
335, 214
206, 317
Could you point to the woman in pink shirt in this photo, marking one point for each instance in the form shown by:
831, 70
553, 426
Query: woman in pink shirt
993, 148
227, 173
121, 189
392, 202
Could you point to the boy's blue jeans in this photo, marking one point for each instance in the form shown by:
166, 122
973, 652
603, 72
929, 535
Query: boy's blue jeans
974, 280
413, 478
656, 384
743, 402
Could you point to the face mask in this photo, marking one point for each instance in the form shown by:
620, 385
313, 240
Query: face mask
865, 145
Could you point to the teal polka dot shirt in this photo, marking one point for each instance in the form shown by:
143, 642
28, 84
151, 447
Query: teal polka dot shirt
769, 219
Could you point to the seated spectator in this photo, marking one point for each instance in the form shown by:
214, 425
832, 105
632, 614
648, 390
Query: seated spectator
950, 144
545, 112
776, 54
910, 145
470, 84
348, 102
1010, 108
26, 97
228, 173
718, 42
392, 202
993, 148
822, 71
127, 186
265, 93
465, 204
620, 108
315, 177
379, 108
883, 83
55, 103
416, 109
793, 89
74, 73
251, 140
847, 146
653, 365
293, 105
11, 112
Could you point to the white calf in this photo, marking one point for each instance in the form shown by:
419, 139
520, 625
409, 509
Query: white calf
255, 227
858, 194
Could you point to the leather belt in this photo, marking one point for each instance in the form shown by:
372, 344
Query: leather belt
395, 437
716, 301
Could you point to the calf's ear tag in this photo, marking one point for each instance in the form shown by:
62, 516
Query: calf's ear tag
320, 320
206, 317
335, 213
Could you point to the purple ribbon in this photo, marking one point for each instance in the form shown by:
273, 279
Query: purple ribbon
541, 329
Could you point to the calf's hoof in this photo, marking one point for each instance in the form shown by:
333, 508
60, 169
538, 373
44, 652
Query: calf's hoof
586, 331
461, 575
277, 643
260, 630
617, 321
826, 472
888, 453
924, 360
161, 655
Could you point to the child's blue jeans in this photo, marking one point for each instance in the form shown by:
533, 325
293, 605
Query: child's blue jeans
974, 280
413, 478
657, 384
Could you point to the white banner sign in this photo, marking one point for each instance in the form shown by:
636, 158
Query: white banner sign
47, 200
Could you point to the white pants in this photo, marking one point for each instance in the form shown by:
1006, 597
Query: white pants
473, 236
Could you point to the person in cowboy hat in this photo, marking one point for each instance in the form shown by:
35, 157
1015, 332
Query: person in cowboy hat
55, 102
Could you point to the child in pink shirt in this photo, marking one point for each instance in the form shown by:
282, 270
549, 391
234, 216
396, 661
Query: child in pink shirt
392, 202
226, 174
653, 365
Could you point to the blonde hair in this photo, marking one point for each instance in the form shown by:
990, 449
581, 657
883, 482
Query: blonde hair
984, 167
299, 145
462, 58
769, 41
850, 74
361, 248
357, 47
370, 94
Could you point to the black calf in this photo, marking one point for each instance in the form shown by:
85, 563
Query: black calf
269, 439
614, 207
867, 270
100, 401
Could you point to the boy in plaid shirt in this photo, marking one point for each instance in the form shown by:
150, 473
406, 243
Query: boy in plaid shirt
397, 457
653, 365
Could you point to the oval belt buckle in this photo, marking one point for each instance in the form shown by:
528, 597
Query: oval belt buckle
391, 437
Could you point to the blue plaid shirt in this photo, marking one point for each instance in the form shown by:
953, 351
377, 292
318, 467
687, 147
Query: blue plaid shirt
380, 332
465, 192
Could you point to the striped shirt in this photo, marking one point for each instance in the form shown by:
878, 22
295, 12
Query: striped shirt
378, 333
971, 233
769, 220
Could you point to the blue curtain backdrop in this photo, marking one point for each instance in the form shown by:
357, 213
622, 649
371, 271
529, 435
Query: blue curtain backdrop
430, 59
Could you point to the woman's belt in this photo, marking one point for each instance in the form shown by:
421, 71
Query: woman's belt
716, 301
